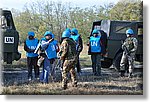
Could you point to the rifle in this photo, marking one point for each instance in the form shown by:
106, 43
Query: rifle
39, 44
37, 48
127, 52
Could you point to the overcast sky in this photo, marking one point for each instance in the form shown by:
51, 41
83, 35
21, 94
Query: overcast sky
19, 4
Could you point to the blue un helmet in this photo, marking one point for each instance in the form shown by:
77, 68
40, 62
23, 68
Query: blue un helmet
68, 29
129, 31
31, 33
95, 31
75, 31
48, 33
66, 34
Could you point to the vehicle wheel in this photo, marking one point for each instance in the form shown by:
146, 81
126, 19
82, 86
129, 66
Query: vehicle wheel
106, 63
9, 58
117, 60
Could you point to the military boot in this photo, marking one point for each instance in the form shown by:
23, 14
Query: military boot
64, 87
74, 84
130, 75
122, 73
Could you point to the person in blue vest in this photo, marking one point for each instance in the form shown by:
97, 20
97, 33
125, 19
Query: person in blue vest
29, 46
53, 70
48, 46
79, 46
95, 52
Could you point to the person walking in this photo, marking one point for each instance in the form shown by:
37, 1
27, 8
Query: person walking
68, 55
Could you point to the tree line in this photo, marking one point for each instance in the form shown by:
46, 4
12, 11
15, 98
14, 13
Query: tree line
40, 16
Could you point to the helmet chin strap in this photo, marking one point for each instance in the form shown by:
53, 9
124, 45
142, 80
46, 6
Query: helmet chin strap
127, 35
74, 34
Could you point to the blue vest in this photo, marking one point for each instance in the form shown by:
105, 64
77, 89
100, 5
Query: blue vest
76, 39
95, 44
55, 42
31, 44
51, 50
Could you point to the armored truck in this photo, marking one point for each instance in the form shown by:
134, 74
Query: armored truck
115, 35
9, 37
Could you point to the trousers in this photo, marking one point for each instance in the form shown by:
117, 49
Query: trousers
68, 66
96, 64
46, 70
130, 58
32, 63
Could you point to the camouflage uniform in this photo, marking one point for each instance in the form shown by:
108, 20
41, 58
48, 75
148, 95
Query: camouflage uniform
68, 55
131, 44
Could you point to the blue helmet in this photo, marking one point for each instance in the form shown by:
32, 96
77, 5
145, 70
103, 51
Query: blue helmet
129, 31
74, 30
31, 33
95, 31
66, 34
47, 33
68, 29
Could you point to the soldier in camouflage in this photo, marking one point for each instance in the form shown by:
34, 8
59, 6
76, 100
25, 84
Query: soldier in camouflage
68, 55
129, 47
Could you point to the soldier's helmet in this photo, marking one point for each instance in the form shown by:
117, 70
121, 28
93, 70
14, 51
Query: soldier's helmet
66, 34
95, 31
129, 31
30, 33
48, 33
68, 29
74, 31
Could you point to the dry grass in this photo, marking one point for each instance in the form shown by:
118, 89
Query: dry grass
87, 85
107, 84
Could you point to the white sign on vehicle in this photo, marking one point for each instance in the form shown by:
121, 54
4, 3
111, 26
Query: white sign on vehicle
9, 40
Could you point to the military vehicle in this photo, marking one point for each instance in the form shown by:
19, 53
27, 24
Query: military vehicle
9, 37
115, 35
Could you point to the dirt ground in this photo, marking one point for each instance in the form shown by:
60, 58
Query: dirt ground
109, 83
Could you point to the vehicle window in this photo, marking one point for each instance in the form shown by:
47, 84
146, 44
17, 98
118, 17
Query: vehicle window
98, 27
3, 22
120, 29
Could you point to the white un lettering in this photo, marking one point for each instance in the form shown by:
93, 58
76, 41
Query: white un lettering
33, 47
94, 43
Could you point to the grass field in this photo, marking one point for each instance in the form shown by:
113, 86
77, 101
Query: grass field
87, 85
108, 84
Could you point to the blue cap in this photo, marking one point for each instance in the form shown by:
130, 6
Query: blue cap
129, 31
74, 30
68, 29
95, 31
66, 34
48, 33
31, 33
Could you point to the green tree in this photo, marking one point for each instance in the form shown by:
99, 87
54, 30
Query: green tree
126, 10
